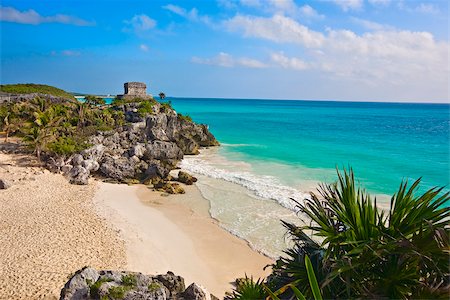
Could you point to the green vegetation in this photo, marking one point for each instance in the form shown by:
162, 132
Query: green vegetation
117, 292
166, 106
29, 88
95, 287
92, 101
145, 107
154, 286
58, 128
366, 252
129, 280
247, 288
186, 118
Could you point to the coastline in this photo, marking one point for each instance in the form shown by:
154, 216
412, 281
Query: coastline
50, 228
163, 234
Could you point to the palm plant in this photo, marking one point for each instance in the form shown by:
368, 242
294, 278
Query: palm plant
367, 252
39, 132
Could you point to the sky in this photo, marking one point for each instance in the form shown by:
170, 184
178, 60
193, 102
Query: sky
351, 50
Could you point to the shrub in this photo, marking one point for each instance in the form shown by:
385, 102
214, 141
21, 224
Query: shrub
29, 88
66, 145
186, 118
145, 107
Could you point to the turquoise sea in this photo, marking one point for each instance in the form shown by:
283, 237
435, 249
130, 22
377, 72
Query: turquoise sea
383, 142
273, 151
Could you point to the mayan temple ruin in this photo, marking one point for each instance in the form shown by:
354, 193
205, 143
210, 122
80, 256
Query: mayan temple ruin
134, 90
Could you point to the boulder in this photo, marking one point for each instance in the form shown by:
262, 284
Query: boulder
5, 184
55, 164
186, 178
66, 169
91, 284
168, 187
78, 175
95, 152
137, 150
78, 286
117, 168
90, 165
195, 292
77, 159
161, 150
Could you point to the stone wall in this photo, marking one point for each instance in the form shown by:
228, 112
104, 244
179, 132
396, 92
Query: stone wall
135, 88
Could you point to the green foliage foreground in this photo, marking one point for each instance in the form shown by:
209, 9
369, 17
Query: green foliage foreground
366, 252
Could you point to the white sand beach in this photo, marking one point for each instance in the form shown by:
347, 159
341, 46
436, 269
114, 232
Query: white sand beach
175, 233
50, 228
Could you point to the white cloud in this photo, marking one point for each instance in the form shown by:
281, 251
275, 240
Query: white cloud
226, 60
427, 8
228, 4
10, 14
250, 63
140, 23
278, 28
191, 15
251, 3
384, 56
288, 63
423, 8
347, 5
310, 12
370, 25
380, 2
143, 47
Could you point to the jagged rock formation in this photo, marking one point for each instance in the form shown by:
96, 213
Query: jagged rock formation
146, 149
89, 283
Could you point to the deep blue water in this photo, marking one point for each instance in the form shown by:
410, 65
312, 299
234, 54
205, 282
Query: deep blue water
306, 140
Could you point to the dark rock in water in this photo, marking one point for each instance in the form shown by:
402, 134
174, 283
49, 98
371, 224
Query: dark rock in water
186, 178
5, 184
91, 284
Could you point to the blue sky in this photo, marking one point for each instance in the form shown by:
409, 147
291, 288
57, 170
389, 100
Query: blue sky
363, 50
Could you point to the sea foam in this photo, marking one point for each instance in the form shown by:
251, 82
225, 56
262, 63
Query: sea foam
262, 186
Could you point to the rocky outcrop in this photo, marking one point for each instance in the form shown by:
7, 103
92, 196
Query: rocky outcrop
147, 148
5, 184
89, 283
186, 178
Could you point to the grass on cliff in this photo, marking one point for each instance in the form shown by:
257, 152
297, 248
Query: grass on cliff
29, 88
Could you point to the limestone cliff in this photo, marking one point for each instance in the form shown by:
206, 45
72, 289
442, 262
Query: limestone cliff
146, 148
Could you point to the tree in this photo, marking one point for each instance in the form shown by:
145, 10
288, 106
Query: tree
367, 252
162, 96
39, 132
10, 119
94, 101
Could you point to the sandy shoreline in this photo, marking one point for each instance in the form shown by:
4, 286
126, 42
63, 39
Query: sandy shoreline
49, 229
175, 233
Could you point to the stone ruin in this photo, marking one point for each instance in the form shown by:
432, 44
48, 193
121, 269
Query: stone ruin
134, 90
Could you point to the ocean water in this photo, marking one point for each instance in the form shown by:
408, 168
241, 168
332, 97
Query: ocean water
274, 151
